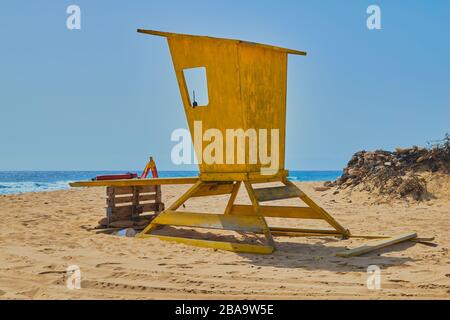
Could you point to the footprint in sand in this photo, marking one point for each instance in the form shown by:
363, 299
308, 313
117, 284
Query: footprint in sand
398, 280
98, 265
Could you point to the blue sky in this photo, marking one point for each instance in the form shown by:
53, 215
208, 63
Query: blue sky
106, 97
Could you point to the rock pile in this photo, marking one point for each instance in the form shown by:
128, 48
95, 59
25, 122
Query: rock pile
395, 174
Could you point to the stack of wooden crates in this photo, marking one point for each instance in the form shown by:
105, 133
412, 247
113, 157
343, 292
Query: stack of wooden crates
131, 206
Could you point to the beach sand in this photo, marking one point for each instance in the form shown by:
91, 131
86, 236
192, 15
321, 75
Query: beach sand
41, 234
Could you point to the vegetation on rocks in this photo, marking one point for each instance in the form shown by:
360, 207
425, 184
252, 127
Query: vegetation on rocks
395, 174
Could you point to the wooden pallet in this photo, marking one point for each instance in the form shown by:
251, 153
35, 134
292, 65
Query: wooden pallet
130, 202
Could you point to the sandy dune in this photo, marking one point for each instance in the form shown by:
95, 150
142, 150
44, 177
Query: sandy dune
41, 234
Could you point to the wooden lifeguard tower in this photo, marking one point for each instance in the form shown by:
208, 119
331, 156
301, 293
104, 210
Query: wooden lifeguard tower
246, 88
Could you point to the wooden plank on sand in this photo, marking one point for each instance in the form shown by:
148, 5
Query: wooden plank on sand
371, 246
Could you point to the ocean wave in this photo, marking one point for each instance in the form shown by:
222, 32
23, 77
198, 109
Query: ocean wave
32, 186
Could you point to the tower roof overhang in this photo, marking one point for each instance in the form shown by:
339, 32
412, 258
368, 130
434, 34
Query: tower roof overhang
170, 34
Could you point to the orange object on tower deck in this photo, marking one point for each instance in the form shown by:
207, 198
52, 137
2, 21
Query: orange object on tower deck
151, 165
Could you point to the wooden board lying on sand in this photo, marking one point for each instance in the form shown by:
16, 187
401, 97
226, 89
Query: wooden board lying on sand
371, 246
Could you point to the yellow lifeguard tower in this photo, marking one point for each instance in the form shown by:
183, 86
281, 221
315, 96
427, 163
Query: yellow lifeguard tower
246, 87
246, 93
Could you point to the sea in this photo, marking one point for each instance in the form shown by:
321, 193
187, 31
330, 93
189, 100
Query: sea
15, 182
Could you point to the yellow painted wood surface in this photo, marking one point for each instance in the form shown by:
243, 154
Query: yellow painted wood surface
249, 43
208, 220
246, 90
254, 177
134, 182
212, 189
277, 211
